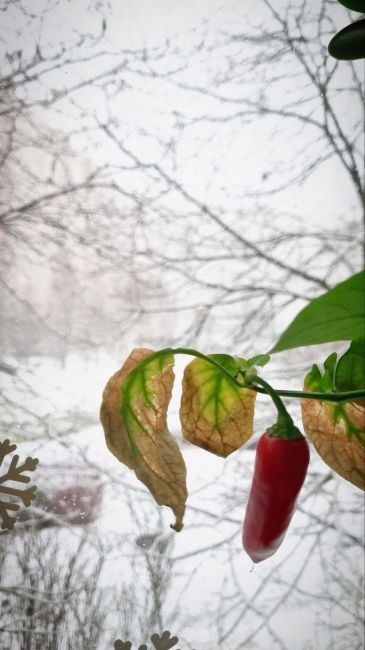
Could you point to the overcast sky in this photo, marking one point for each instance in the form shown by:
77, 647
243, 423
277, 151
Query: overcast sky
222, 163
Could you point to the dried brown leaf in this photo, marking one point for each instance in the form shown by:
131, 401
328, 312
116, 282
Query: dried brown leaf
337, 439
134, 417
215, 413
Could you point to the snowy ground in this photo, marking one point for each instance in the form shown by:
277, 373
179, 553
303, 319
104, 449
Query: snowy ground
297, 599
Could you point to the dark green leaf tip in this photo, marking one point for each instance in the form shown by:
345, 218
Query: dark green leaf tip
349, 43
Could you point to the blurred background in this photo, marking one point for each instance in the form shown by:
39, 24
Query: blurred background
172, 173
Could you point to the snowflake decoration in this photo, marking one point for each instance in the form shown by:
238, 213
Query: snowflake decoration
15, 473
163, 642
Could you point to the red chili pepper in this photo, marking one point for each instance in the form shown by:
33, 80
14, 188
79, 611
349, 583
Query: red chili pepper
280, 470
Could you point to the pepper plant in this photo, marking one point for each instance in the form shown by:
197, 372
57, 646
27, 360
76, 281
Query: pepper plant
217, 413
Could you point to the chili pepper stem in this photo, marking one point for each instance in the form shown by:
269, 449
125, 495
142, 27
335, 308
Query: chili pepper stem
284, 426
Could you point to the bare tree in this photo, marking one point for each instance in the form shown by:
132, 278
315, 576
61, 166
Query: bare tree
225, 253
270, 86
53, 600
173, 203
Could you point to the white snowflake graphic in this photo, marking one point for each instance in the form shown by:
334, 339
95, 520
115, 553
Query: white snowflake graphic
14, 473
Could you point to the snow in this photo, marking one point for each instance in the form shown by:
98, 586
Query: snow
208, 568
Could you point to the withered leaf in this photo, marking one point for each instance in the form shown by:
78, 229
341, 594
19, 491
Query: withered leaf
338, 434
134, 417
215, 413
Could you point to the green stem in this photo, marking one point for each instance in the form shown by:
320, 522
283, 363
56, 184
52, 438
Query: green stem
329, 397
193, 353
284, 427
269, 390
348, 396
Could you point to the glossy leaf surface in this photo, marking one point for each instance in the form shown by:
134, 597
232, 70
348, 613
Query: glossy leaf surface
338, 315
354, 5
349, 43
349, 373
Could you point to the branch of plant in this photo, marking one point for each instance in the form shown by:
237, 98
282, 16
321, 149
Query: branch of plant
251, 380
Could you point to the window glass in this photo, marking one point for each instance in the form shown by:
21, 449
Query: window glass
184, 175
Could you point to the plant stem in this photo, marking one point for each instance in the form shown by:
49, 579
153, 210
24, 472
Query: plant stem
284, 427
193, 353
324, 397
283, 414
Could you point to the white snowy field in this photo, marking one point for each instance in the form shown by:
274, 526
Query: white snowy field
307, 596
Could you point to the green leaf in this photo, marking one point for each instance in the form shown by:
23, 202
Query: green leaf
350, 369
349, 43
354, 5
321, 377
338, 315
259, 360
224, 360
